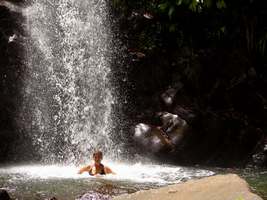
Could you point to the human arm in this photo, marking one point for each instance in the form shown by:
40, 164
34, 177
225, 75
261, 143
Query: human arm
108, 171
85, 169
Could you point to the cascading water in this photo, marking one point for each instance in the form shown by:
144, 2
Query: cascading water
69, 108
68, 97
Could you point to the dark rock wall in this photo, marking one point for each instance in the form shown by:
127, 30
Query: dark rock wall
13, 141
221, 83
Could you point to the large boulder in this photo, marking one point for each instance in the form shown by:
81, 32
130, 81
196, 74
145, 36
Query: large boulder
151, 138
220, 187
161, 138
4, 195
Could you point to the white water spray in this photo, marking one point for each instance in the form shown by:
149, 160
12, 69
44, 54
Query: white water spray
67, 93
137, 173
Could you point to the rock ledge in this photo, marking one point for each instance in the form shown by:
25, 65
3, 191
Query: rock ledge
219, 187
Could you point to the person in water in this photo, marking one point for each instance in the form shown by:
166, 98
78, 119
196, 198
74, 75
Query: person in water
97, 168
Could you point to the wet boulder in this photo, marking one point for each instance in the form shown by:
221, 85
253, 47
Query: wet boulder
151, 138
174, 126
260, 158
94, 196
161, 138
185, 113
170, 122
265, 155
4, 195
167, 97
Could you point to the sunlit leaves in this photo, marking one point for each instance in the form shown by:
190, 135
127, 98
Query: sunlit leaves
163, 6
221, 4
179, 2
193, 5
170, 6
171, 11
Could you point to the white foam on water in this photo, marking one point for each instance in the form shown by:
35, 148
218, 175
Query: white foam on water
159, 174
140, 173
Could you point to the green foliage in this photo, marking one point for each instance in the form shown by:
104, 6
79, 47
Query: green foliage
179, 2
172, 28
215, 20
220, 4
208, 3
167, 7
163, 6
193, 5
261, 45
171, 11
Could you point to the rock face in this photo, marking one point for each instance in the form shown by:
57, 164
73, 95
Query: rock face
10, 72
13, 139
4, 195
220, 187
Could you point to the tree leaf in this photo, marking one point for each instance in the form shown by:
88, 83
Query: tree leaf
221, 4
163, 7
171, 11
193, 5
179, 2
208, 3
172, 28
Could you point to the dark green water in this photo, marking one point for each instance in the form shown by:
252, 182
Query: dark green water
65, 189
256, 178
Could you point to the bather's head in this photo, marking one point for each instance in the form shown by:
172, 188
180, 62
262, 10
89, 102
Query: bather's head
98, 156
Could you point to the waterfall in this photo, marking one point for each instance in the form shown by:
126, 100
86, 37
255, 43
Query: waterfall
67, 90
